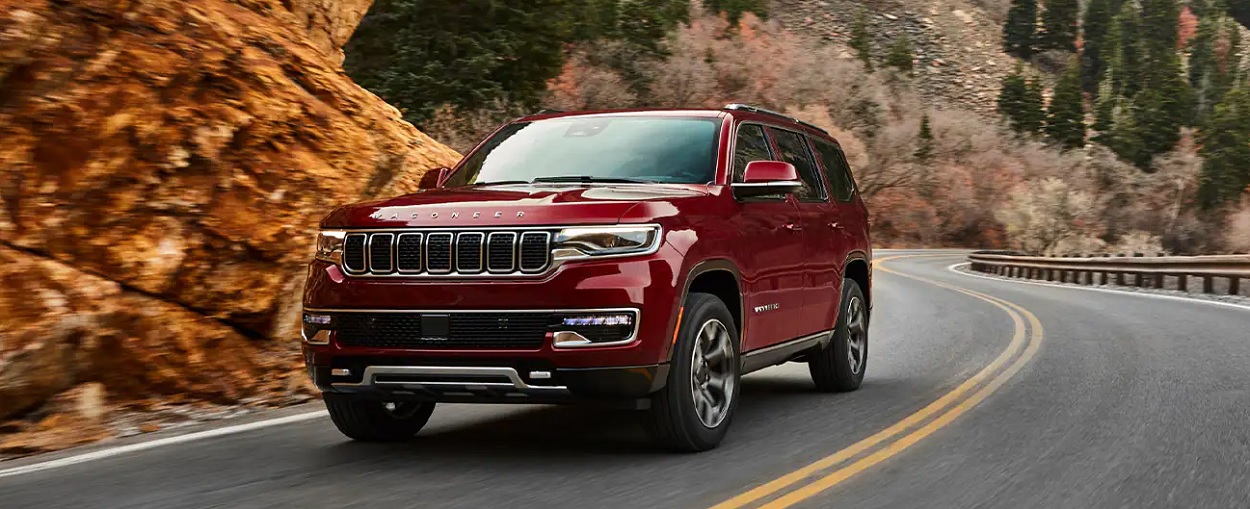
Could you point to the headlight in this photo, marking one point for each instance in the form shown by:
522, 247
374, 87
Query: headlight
579, 242
330, 245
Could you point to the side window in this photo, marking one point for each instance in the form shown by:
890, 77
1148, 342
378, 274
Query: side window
834, 161
793, 147
751, 146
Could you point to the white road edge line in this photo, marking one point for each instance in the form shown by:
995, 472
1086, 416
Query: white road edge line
143, 446
1150, 295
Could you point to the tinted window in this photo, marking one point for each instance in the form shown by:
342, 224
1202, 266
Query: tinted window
752, 146
794, 150
839, 172
652, 149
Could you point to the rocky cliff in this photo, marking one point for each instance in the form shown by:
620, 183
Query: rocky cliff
163, 166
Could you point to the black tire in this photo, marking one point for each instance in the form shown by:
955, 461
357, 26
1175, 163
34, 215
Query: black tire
369, 420
673, 420
832, 367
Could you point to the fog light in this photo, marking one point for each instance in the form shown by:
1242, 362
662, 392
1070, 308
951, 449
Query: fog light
593, 329
591, 320
316, 329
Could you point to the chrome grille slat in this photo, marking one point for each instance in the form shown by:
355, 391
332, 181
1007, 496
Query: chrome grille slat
469, 252
501, 251
534, 251
447, 252
381, 253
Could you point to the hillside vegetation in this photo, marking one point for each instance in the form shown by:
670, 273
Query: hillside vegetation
959, 137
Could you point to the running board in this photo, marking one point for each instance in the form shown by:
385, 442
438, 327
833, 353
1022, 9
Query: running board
783, 352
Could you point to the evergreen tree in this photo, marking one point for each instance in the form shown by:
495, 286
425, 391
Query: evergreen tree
1065, 118
1020, 30
419, 54
734, 9
861, 40
1020, 103
1203, 65
1098, 18
1160, 19
924, 148
900, 55
1226, 150
1059, 25
1125, 39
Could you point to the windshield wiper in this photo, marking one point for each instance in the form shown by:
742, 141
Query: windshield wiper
590, 178
499, 183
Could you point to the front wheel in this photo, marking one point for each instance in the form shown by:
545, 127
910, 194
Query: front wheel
371, 420
693, 411
840, 365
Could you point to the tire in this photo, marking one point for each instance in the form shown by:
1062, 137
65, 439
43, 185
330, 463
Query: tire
840, 365
369, 420
707, 375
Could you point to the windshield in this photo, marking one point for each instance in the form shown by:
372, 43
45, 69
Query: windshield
597, 148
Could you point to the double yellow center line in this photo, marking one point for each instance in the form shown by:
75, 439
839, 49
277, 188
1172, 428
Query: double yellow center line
828, 472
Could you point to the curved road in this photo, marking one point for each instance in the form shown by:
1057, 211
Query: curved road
1091, 400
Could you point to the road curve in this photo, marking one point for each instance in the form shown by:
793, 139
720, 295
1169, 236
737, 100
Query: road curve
1130, 401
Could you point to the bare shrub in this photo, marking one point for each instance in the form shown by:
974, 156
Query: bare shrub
1042, 214
1146, 243
462, 130
1237, 237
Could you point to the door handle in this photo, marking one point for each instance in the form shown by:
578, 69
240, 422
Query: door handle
835, 225
793, 227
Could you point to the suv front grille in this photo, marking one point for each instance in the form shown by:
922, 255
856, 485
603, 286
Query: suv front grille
505, 330
447, 253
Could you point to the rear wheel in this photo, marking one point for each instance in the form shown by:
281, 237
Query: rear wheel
693, 411
371, 420
840, 365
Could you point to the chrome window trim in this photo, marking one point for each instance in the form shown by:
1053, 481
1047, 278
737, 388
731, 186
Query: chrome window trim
390, 255
521, 260
451, 255
515, 249
481, 253
420, 253
364, 254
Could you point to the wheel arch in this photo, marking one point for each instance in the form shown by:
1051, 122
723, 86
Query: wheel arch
857, 268
719, 277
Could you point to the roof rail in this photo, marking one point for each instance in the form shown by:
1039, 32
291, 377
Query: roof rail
756, 109
546, 111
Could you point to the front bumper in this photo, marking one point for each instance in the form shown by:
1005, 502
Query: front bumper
390, 380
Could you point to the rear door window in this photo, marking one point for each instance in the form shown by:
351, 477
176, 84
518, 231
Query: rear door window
793, 149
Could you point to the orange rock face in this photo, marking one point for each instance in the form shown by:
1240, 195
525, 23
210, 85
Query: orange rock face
163, 166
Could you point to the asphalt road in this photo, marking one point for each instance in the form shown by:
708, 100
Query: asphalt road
1129, 401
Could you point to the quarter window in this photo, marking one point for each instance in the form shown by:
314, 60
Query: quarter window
834, 163
793, 147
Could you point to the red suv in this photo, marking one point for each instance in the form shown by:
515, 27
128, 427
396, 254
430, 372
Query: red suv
645, 259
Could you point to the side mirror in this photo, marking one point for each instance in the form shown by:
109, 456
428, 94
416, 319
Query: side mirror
763, 178
434, 178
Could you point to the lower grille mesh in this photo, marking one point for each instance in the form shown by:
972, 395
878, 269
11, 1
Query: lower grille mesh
465, 330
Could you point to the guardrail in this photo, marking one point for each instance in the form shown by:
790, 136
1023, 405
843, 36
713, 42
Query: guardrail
1172, 272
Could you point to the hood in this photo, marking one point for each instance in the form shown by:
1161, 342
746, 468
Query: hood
517, 205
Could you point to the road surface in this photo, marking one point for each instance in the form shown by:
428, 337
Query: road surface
979, 393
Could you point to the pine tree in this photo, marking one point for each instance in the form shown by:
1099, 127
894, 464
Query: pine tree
1161, 20
1059, 25
1033, 111
1203, 66
735, 9
924, 147
900, 55
861, 40
1021, 103
1125, 40
1225, 150
1065, 118
1020, 30
1098, 19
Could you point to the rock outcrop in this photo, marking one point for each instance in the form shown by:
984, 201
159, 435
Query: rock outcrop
163, 166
